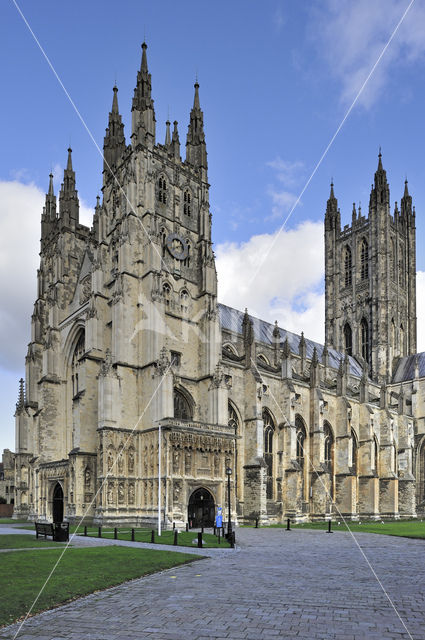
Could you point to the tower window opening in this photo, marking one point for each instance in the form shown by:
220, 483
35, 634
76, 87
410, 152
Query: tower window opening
364, 260
162, 190
348, 265
348, 340
187, 208
401, 267
186, 261
364, 331
166, 292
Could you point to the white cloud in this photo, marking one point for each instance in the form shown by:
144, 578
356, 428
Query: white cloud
289, 174
288, 287
20, 218
351, 36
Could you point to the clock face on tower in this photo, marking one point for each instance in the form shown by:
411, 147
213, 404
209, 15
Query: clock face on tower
177, 246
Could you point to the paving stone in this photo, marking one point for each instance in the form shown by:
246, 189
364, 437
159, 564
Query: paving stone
306, 585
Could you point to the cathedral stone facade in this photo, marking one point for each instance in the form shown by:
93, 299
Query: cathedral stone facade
143, 395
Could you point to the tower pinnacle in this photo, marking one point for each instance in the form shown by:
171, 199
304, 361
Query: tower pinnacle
196, 149
114, 141
143, 114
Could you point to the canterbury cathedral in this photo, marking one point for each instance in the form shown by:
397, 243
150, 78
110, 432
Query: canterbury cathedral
145, 398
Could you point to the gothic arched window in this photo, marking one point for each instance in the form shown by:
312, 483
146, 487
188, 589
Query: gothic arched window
348, 339
421, 472
187, 203
76, 364
392, 259
354, 453
301, 438
233, 420
269, 430
184, 300
348, 266
364, 259
163, 241
375, 456
364, 336
166, 292
329, 454
162, 190
401, 272
182, 409
186, 261
402, 339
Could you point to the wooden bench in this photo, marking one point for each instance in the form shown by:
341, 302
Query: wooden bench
44, 529
59, 531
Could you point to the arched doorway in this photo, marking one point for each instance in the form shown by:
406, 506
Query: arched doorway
57, 503
201, 509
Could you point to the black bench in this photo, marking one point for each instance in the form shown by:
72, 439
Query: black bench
59, 530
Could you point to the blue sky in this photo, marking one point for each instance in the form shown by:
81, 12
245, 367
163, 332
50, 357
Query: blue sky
276, 80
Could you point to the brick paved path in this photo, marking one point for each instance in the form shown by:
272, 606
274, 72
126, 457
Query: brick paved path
300, 584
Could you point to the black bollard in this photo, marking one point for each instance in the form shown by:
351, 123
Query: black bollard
85, 531
174, 525
152, 536
176, 533
187, 526
132, 535
219, 537
200, 540
329, 526
115, 533
288, 525
99, 532
256, 523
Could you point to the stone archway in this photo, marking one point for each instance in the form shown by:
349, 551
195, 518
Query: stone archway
201, 509
57, 503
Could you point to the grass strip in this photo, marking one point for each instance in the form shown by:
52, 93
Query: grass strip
80, 572
11, 521
16, 541
402, 528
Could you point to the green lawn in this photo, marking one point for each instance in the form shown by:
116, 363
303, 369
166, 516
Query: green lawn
23, 541
404, 528
80, 571
185, 538
11, 521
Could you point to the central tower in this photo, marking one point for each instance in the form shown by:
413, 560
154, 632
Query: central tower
370, 280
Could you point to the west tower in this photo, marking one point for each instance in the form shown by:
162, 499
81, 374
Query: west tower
370, 279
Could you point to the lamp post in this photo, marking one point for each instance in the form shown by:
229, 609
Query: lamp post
229, 521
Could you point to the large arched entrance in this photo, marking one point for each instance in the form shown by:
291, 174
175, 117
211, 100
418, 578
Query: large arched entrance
201, 509
57, 503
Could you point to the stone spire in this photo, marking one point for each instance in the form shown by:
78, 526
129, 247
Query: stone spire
380, 193
196, 149
167, 134
142, 110
68, 196
406, 202
114, 141
332, 215
50, 207
175, 142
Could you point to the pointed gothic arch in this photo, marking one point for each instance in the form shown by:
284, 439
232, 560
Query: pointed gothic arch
269, 433
183, 404
348, 266
348, 339
364, 339
364, 259
329, 456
